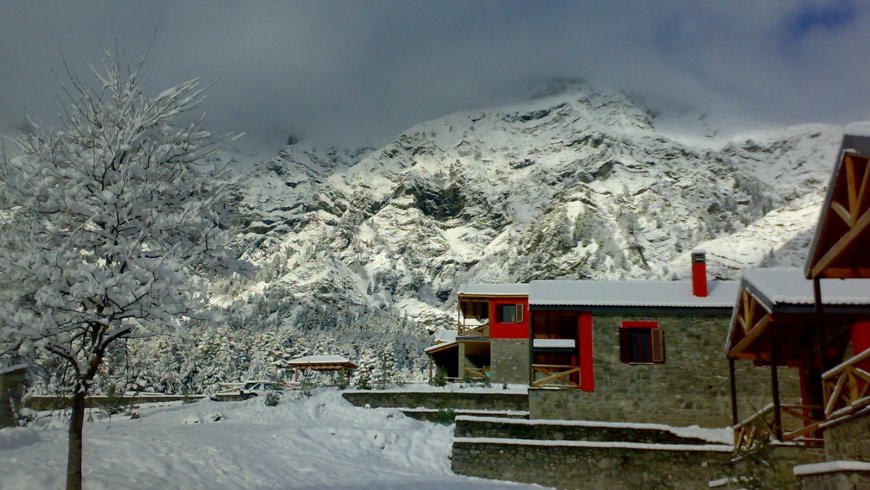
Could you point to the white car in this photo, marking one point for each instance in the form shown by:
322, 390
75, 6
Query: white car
256, 388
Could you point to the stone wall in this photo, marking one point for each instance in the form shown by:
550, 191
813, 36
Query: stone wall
510, 361
539, 429
849, 439
691, 387
836, 481
11, 394
470, 399
573, 465
40, 403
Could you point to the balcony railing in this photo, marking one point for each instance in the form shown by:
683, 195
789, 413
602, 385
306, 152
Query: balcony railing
477, 329
476, 373
554, 376
846, 387
760, 428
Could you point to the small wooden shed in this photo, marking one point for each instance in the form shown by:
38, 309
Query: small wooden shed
12, 381
325, 363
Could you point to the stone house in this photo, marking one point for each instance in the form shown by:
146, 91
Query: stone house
492, 335
638, 351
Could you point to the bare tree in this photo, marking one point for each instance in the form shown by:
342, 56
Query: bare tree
111, 225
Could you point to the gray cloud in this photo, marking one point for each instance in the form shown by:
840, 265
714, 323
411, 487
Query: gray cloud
349, 71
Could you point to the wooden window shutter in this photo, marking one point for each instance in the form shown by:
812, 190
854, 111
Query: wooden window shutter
519, 313
658, 345
625, 345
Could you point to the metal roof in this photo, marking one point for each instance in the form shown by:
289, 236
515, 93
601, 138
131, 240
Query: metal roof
662, 294
780, 287
481, 289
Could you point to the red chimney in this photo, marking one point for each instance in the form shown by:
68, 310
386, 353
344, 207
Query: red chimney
699, 273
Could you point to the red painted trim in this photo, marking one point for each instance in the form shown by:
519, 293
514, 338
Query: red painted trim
861, 341
587, 364
639, 324
508, 330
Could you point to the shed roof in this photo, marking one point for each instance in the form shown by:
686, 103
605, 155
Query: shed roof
323, 361
661, 294
482, 289
781, 287
9, 369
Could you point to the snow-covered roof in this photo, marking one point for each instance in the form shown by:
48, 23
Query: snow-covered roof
554, 343
440, 346
307, 360
510, 289
663, 294
775, 287
9, 369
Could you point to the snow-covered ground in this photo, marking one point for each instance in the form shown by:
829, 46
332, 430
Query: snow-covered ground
306, 443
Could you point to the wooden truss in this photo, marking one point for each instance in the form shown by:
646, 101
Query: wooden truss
852, 207
753, 319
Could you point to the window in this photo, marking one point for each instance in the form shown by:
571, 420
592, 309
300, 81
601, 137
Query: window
510, 313
641, 342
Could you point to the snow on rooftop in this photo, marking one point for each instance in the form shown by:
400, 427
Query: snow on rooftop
440, 345
554, 343
318, 360
720, 436
676, 294
830, 467
722, 448
790, 287
861, 128
511, 289
9, 369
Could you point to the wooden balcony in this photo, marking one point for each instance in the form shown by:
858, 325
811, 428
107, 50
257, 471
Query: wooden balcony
476, 374
479, 330
554, 376
846, 387
760, 428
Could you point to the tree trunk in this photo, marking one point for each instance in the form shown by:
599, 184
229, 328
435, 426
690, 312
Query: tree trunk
74, 454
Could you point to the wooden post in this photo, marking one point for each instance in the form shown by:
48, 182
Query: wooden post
731, 373
774, 384
531, 346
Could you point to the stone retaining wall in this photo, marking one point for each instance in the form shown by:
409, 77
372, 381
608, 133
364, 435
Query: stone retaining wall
540, 429
471, 400
40, 403
836, 481
849, 439
589, 467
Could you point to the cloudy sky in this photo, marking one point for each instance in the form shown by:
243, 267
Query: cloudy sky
346, 72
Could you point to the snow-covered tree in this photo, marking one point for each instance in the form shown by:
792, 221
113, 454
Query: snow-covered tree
111, 224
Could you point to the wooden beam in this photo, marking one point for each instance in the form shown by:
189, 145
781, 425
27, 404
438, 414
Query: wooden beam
842, 244
862, 191
847, 272
750, 337
843, 213
851, 185
731, 374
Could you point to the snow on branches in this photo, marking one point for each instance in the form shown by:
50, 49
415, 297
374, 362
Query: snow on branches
111, 222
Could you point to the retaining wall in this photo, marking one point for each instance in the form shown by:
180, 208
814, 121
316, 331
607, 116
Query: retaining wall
470, 400
581, 464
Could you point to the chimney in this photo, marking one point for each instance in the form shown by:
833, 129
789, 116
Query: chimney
699, 273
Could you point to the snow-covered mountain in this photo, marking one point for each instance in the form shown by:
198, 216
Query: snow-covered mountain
582, 183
